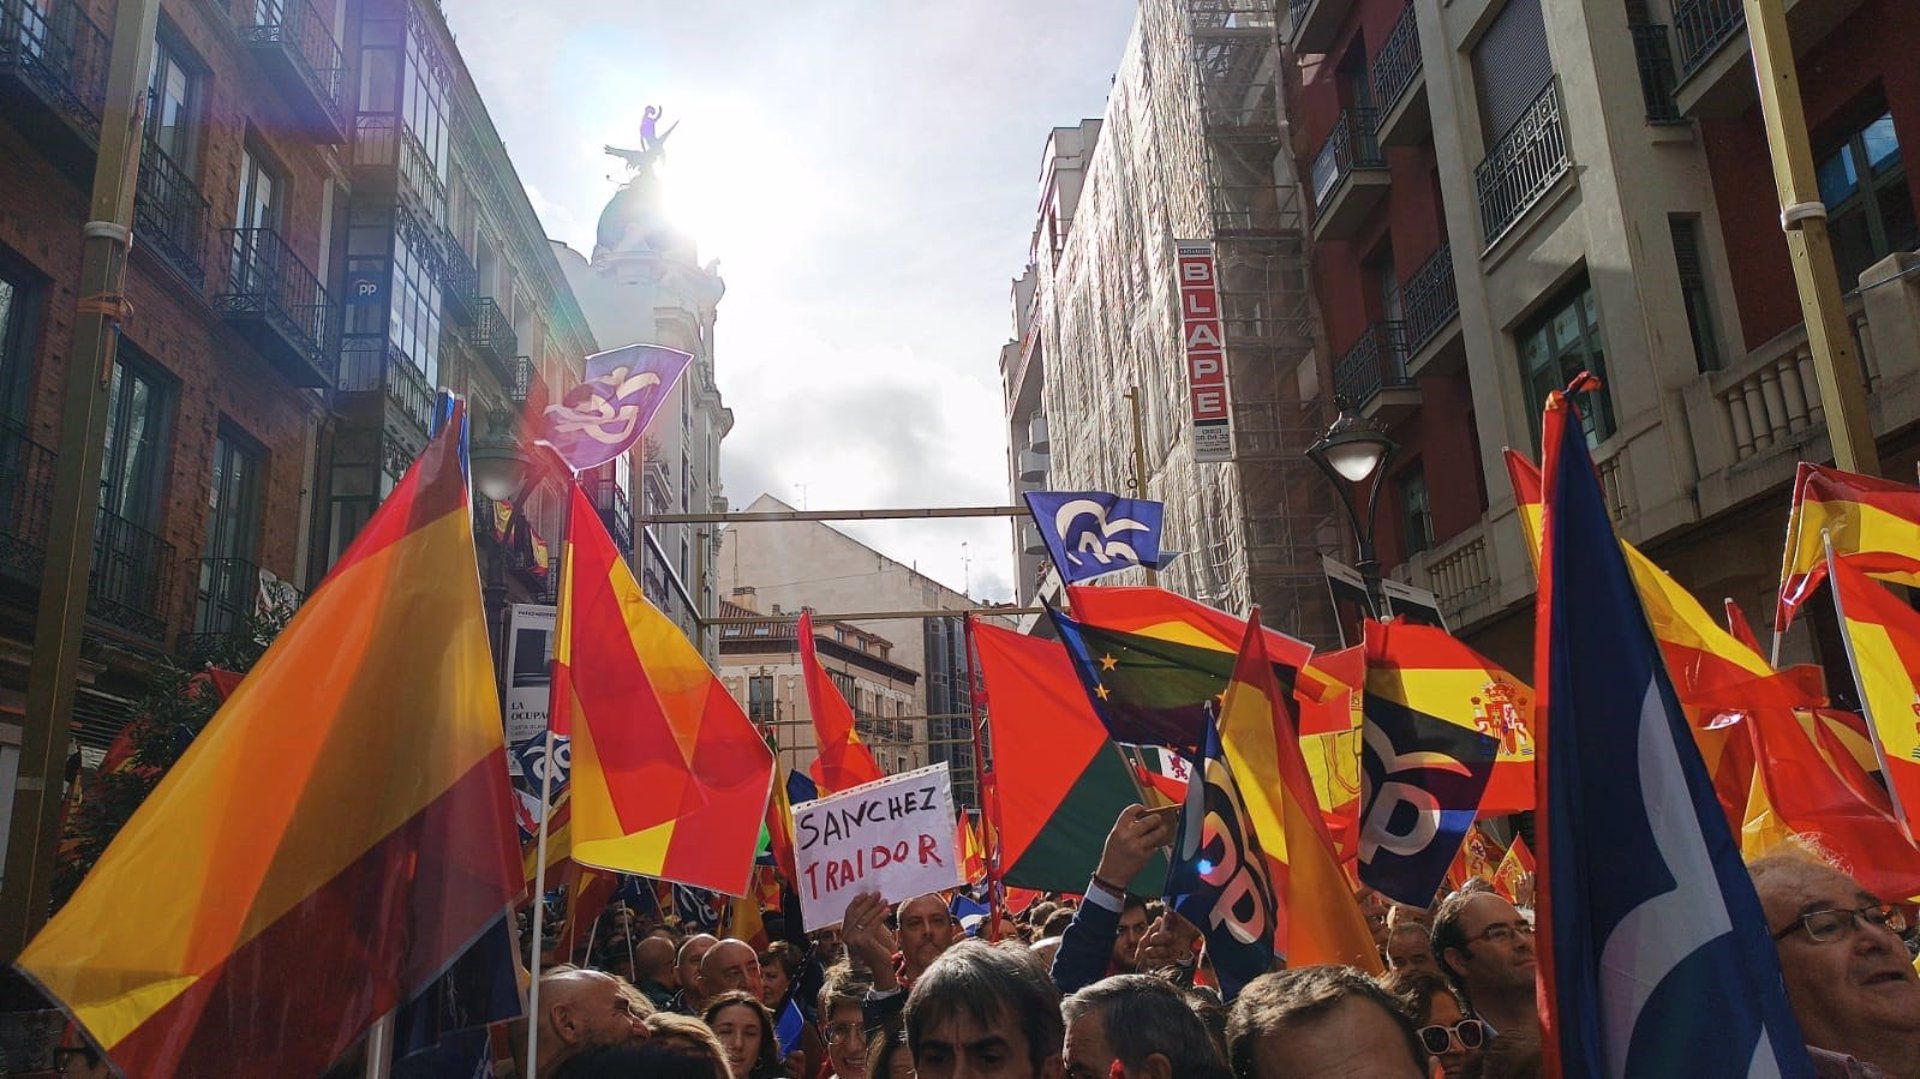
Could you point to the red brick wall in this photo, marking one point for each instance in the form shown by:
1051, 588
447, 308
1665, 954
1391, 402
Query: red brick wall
1872, 51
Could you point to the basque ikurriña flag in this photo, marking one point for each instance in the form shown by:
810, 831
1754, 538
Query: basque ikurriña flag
1092, 533
1655, 958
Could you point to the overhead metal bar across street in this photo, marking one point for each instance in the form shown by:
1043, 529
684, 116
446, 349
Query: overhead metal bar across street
745, 517
868, 616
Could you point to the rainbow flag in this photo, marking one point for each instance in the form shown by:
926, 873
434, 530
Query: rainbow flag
1883, 643
340, 832
670, 779
1874, 525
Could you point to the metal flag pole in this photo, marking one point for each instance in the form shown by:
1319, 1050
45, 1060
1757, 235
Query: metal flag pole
983, 784
565, 569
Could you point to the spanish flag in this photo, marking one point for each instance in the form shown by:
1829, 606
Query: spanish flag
670, 779
1874, 525
1883, 644
844, 762
1319, 918
1514, 870
340, 832
1424, 672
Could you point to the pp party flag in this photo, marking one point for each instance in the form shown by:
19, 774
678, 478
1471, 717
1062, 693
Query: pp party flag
300, 883
1319, 919
844, 762
1874, 525
1511, 878
603, 417
1219, 878
1630, 961
670, 779
1092, 533
1429, 750
1883, 644
1060, 784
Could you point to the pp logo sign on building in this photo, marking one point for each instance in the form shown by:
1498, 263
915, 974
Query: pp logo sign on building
1201, 335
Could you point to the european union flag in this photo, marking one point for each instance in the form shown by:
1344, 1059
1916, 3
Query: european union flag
1219, 879
1655, 956
1092, 533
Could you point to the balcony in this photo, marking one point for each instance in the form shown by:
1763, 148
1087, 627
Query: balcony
1653, 54
492, 336
616, 511
26, 496
296, 49
227, 597
457, 279
132, 578
525, 376
278, 305
1430, 310
1400, 85
1315, 24
1716, 62
53, 79
379, 371
1523, 166
170, 214
1349, 176
1372, 375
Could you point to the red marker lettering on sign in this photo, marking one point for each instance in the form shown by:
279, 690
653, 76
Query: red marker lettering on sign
929, 850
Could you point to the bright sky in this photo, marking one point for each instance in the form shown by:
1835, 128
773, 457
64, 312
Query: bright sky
867, 174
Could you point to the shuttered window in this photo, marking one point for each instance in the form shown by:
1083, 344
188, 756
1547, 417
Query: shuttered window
1511, 66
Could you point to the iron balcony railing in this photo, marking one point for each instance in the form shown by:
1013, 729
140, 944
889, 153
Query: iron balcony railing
132, 576
491, 333
1378, 361
266, 278
524, 377
458, 277
1296, 14
170, 213
26, 495
1398, 61
419, 175
228, 592
616, 510
53, 46
1522, 166
1653, 54
1351, 145
1430, 299
379, 367
1702, 26
305, 39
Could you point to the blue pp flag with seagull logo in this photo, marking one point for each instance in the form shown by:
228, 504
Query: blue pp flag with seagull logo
1092, 533
1219, 876
1655, 958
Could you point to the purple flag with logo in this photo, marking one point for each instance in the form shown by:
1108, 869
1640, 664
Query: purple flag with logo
603, 417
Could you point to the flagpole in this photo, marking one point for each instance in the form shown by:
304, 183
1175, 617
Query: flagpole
546, 798
976, 697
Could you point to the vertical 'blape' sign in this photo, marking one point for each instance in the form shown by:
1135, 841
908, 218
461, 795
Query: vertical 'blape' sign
893, 836
1200, 330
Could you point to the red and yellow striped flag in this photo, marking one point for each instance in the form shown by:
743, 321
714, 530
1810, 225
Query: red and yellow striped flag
1514, 870
670, 779
1883, 643
1874, 525
844, 761
1320, 919
340, 831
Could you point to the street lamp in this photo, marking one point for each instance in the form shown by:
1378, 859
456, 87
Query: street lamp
499, 469
1352, 451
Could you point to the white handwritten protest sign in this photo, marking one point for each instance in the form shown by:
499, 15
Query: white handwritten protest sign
893, 836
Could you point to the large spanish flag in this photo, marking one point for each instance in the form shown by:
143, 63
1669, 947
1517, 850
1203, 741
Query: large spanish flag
670, 779
844, 761
1883, 643
340, 832
1425, 672
1874, 525
1320, 920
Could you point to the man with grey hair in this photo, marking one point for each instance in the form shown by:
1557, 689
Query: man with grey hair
1320, 1021
1141, 1023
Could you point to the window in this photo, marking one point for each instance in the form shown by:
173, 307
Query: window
135, 463
1416, 509
260, 193
228, 576
1869, 209
16, 343
174, 92
1693, 291
760, 698
1556, 345
414, 316
1511, 66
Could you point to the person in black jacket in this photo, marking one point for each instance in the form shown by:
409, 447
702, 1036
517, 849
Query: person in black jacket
1087, 946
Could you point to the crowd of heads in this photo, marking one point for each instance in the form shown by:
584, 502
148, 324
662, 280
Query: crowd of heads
903, 990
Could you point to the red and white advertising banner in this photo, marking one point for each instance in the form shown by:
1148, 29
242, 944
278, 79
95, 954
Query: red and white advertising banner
1200, 330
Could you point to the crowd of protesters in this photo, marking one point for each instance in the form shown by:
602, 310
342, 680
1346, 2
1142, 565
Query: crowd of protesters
1109, 986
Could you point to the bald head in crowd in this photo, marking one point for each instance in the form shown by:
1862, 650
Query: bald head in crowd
653, 960
586, 1009
1848, 975
728, 965
687, 968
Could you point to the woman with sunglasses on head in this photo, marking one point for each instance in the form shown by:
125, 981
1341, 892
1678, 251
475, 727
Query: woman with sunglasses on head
1452, 1038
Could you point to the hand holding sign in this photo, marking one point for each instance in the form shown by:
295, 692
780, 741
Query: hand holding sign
893, 837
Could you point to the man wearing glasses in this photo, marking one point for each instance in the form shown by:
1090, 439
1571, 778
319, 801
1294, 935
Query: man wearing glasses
1485, 948
1848, 973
